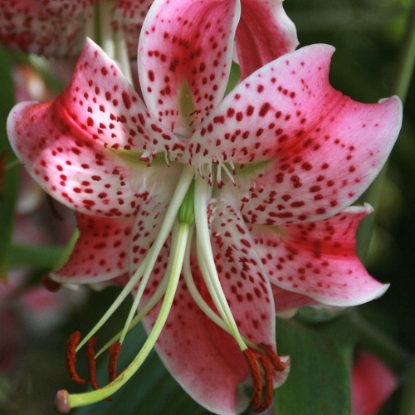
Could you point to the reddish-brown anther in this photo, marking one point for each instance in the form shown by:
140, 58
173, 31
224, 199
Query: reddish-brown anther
92, 367
266, 402
50, 285
255, 376
115, 350
277, 363
71, 357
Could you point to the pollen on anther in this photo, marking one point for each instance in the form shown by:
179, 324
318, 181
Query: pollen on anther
255, 376
266, 402
115, 350
71, 357
90, 355
277, 363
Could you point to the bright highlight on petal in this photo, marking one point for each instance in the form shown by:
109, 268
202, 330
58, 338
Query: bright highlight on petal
215, 212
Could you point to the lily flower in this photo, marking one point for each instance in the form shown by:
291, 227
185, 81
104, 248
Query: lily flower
207, 207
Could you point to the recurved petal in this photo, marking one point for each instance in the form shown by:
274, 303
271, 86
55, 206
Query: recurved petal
308, 151
53, 28
318, 259
285, 300
79, 171
101, 252
103, 105
264, 33
184, 59
129, 17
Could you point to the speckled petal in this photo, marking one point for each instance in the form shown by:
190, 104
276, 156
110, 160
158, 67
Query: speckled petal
79, 171
264, 33
45, 27
104, 105
204, 359
308, 151
129, 17
101, 252
184, 59
318, 259
241, 273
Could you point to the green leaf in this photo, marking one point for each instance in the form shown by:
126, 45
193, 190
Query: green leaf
35, 256
11, 178
318, 382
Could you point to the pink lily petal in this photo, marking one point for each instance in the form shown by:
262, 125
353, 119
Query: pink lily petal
285, 300
318, 259
102, 104
74, 164
186, 53
242, 276
309, 150
45, 27
264, 33
101, 252
129, 17
372, 384
204, 359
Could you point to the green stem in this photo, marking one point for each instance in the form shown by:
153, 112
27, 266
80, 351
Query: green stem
404, 73
377, 342
34, 256
407, 404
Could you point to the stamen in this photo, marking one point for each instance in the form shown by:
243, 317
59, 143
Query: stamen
115, 350
267, 401
224, 167
50, 285
71, 357
277, 363
92, 367
61, 402
255, 376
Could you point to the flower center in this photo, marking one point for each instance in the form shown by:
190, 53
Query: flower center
187, 212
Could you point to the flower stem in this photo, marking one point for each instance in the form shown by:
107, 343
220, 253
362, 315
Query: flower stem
377, 342
407, 404
400, 86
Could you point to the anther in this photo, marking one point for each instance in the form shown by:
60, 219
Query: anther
50, 285
255, 376
267, 401
61, 401
92, 369
71, 357
115, 350
277, 363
